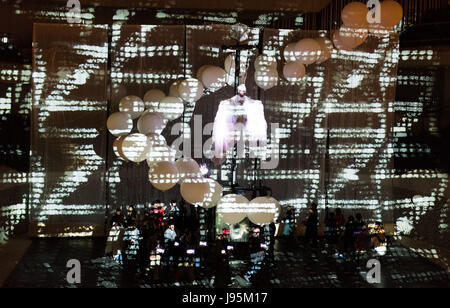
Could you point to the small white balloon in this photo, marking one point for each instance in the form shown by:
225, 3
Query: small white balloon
135, 147
117, 148
307, 51
151, 122
171, 107
352, 37
262, 210
190, 90
152, 98
326, 47
289, 52
201, 69
266, 77
132, 105
232, 208
163, 175
188, 168
194, 190
294, 71
119, 123
173, 89
214, 194
159, 153
338, 43
214, 78
230, 64
265, 60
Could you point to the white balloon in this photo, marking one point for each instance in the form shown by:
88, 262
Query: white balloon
214, 194
326, 47
289, 52
194, 190
135, 147
156, 140
159, 153
352, 37
190, 90
173, 90
263, 210
201, 69
338, 43
294, 71
266, 77
188, 168
152, 98
171, 107
307, 51
265, 60
132, 105
117, 148
230, 64
151, 122
232, 208
214, 78
119, 123
163, 175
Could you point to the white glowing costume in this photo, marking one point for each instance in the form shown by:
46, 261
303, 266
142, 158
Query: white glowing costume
235, 115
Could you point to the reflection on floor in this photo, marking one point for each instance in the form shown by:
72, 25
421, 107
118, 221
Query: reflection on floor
44, 265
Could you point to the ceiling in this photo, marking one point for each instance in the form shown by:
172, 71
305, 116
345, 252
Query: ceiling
255, 5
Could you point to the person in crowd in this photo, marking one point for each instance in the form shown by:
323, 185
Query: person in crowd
257, 253
289, 223
117, 219
130, 218
173, 213
361, 237
349, 238
312, 228
331, 234
272, 230
340, 220
222, 276
157, 213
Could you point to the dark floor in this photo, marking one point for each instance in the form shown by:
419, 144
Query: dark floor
44, 265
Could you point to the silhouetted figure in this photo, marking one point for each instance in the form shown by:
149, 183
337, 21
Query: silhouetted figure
312, 227
257, 253
117, 219
349, 238
130, 218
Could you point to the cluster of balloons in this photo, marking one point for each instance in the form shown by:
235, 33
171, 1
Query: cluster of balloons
358, 21
152, 114
234, 208
305, 52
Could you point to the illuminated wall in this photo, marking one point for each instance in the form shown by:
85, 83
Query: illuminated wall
334, 130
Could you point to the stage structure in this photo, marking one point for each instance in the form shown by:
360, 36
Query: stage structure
329, 130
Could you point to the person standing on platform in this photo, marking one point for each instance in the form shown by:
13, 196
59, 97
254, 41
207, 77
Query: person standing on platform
312, 228
257, 253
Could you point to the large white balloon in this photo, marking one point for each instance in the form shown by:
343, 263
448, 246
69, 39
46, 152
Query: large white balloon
163, 175
289, 52
188, 168
171, 107
266, 78
294, 71
326, 47
214, 194
152, 98
135, 147
190, 90
151, 122
354, 14
214, 77
159, 153
307, 51
194, 190
119, 123
117, 148
262, 210
232, 208
266, 61
132, 105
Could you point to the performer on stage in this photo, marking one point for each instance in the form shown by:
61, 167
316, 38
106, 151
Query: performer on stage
238, 115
